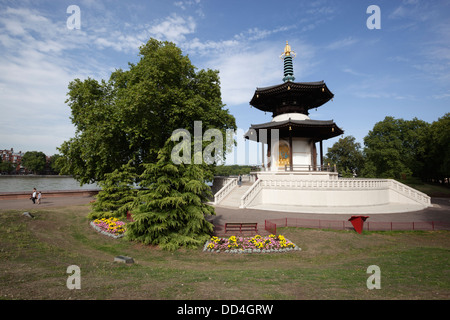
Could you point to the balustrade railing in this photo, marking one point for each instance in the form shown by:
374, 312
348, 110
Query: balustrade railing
326, 184
250, 194
225, 190
409, 192
342, 183
306, 168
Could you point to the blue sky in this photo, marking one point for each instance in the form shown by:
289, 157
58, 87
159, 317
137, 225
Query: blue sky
401, 70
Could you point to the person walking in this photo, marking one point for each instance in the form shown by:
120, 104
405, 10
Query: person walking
240, 180
33, 196
39, 197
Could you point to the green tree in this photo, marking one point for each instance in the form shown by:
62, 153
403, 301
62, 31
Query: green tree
7, 167
54, 167
171, 210
116, 195
414, 147
437, 158
34, 161
235, 169
130, 116
347, 155
396, 147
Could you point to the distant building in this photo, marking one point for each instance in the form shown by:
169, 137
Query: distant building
13, 157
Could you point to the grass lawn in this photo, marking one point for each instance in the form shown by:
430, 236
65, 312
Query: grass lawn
35, 254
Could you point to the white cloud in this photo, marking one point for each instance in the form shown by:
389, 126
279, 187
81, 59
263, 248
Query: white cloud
373, 87
242, 70
186, 3
36, 66
208, 47
441, 96
40, 56
353, 72
417, 11
342, 43
173, 28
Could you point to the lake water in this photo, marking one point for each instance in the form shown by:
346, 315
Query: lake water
41, 183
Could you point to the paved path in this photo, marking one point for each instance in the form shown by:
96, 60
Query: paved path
440, 211
27, 204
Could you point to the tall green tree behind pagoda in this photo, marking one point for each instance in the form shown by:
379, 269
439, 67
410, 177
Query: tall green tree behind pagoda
395, 147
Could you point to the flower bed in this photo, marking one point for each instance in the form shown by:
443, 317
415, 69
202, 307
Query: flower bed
256, 244
112, 227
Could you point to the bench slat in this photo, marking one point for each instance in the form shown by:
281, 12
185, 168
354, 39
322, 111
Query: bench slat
244, 226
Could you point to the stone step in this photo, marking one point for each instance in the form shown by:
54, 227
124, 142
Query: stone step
233, 199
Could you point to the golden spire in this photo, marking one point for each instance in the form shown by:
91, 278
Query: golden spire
287, 56
287, 51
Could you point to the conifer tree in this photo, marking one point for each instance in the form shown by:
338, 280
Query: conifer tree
171, 208
116, 195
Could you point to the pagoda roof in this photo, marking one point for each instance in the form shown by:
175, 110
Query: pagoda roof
315, 129
291, 96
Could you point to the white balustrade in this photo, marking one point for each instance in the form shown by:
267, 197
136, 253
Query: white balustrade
225, 190
251, 193
272, 182
409, 192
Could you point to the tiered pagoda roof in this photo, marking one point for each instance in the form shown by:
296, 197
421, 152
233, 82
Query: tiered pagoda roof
314, 129
294, 97
291, 97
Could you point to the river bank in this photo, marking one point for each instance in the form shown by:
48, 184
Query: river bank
43, 183
48, 194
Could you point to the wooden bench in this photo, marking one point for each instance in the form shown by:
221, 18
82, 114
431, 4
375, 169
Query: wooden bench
241, 226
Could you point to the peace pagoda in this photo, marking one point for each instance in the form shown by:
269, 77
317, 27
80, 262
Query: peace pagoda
292, 177
294, 149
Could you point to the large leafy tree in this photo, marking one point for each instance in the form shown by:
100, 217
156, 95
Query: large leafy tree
53, 164
130, 116
347, 155
7, 167
172, 208
34, 161
437, 150
396, 147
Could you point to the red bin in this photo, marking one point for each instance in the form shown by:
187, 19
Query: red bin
358, 222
